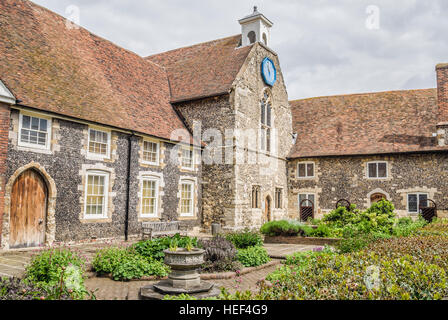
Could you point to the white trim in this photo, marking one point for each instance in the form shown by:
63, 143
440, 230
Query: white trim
97, 156
377, 170
306, 163
106, 175
418, 194
49, 131
156, 205
5, 95
157, 163
193, 186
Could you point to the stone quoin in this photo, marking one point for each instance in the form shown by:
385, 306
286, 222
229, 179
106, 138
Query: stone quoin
118, 139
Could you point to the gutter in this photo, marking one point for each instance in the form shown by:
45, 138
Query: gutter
128, 187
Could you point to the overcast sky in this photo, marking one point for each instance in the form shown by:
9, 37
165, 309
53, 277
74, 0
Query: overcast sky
326, 47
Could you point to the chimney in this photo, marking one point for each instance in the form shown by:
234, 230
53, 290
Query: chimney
442, 91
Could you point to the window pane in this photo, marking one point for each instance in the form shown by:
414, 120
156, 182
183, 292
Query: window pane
310, 170
372, 170
269, 112
311, 197
302, 170
412, 203
263, 139
34, 123
43, 125
263, 113
268, 140
301, 198
382, 170
423, 200
26, 122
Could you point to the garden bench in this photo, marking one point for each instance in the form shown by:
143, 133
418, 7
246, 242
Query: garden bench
161, 229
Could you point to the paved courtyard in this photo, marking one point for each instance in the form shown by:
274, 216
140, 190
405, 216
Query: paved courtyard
13, 263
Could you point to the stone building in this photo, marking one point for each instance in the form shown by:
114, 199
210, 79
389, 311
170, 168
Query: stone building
95, 140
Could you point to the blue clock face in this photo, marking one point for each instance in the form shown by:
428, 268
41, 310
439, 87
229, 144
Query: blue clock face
269, 71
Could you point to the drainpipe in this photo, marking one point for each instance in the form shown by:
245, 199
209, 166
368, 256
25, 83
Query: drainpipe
128, 187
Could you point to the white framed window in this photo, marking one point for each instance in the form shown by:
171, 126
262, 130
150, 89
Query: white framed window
307, 196
377, 170
415, 200
150, 197
99, 143
266, 123
34, 131
187, 199
187, 158
96, 195
306, 170
151, 152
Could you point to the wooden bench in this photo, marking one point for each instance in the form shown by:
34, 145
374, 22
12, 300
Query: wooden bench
161, 229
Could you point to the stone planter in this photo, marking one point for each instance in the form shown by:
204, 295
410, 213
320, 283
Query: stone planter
184, 265
184, 278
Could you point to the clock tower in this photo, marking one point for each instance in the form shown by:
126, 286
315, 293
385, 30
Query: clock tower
255, 28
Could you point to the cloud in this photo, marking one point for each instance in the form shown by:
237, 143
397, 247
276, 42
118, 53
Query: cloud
323, 45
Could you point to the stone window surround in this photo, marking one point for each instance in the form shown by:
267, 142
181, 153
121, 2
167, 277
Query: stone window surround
366, 163
162, 157
196, 159
307, 177
405, 192
157, 163
83, 188
53, 134
161, 185
50, 229
418, 201
377, 163
49, 131
282, 198
316, 191
106, 175
95, 156
270, 99
193, 180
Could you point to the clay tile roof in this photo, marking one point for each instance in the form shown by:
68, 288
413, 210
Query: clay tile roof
75, 73
203, 70
363, 124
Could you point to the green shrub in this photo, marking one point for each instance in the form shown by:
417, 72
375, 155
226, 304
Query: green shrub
284, 228
220, 255
253, 257
106, 260
154, 248
127, 264
358, 276
406, 226
324, 231
245, 239
58, 269
137, 267
357, 242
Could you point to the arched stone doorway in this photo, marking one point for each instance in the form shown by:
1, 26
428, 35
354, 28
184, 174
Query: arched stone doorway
377, 197
268, 209
30, 192
29, 198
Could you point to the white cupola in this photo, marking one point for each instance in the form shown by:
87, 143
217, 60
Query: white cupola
256, 28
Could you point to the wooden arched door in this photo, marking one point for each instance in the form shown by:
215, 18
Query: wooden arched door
377, 197
29, 198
